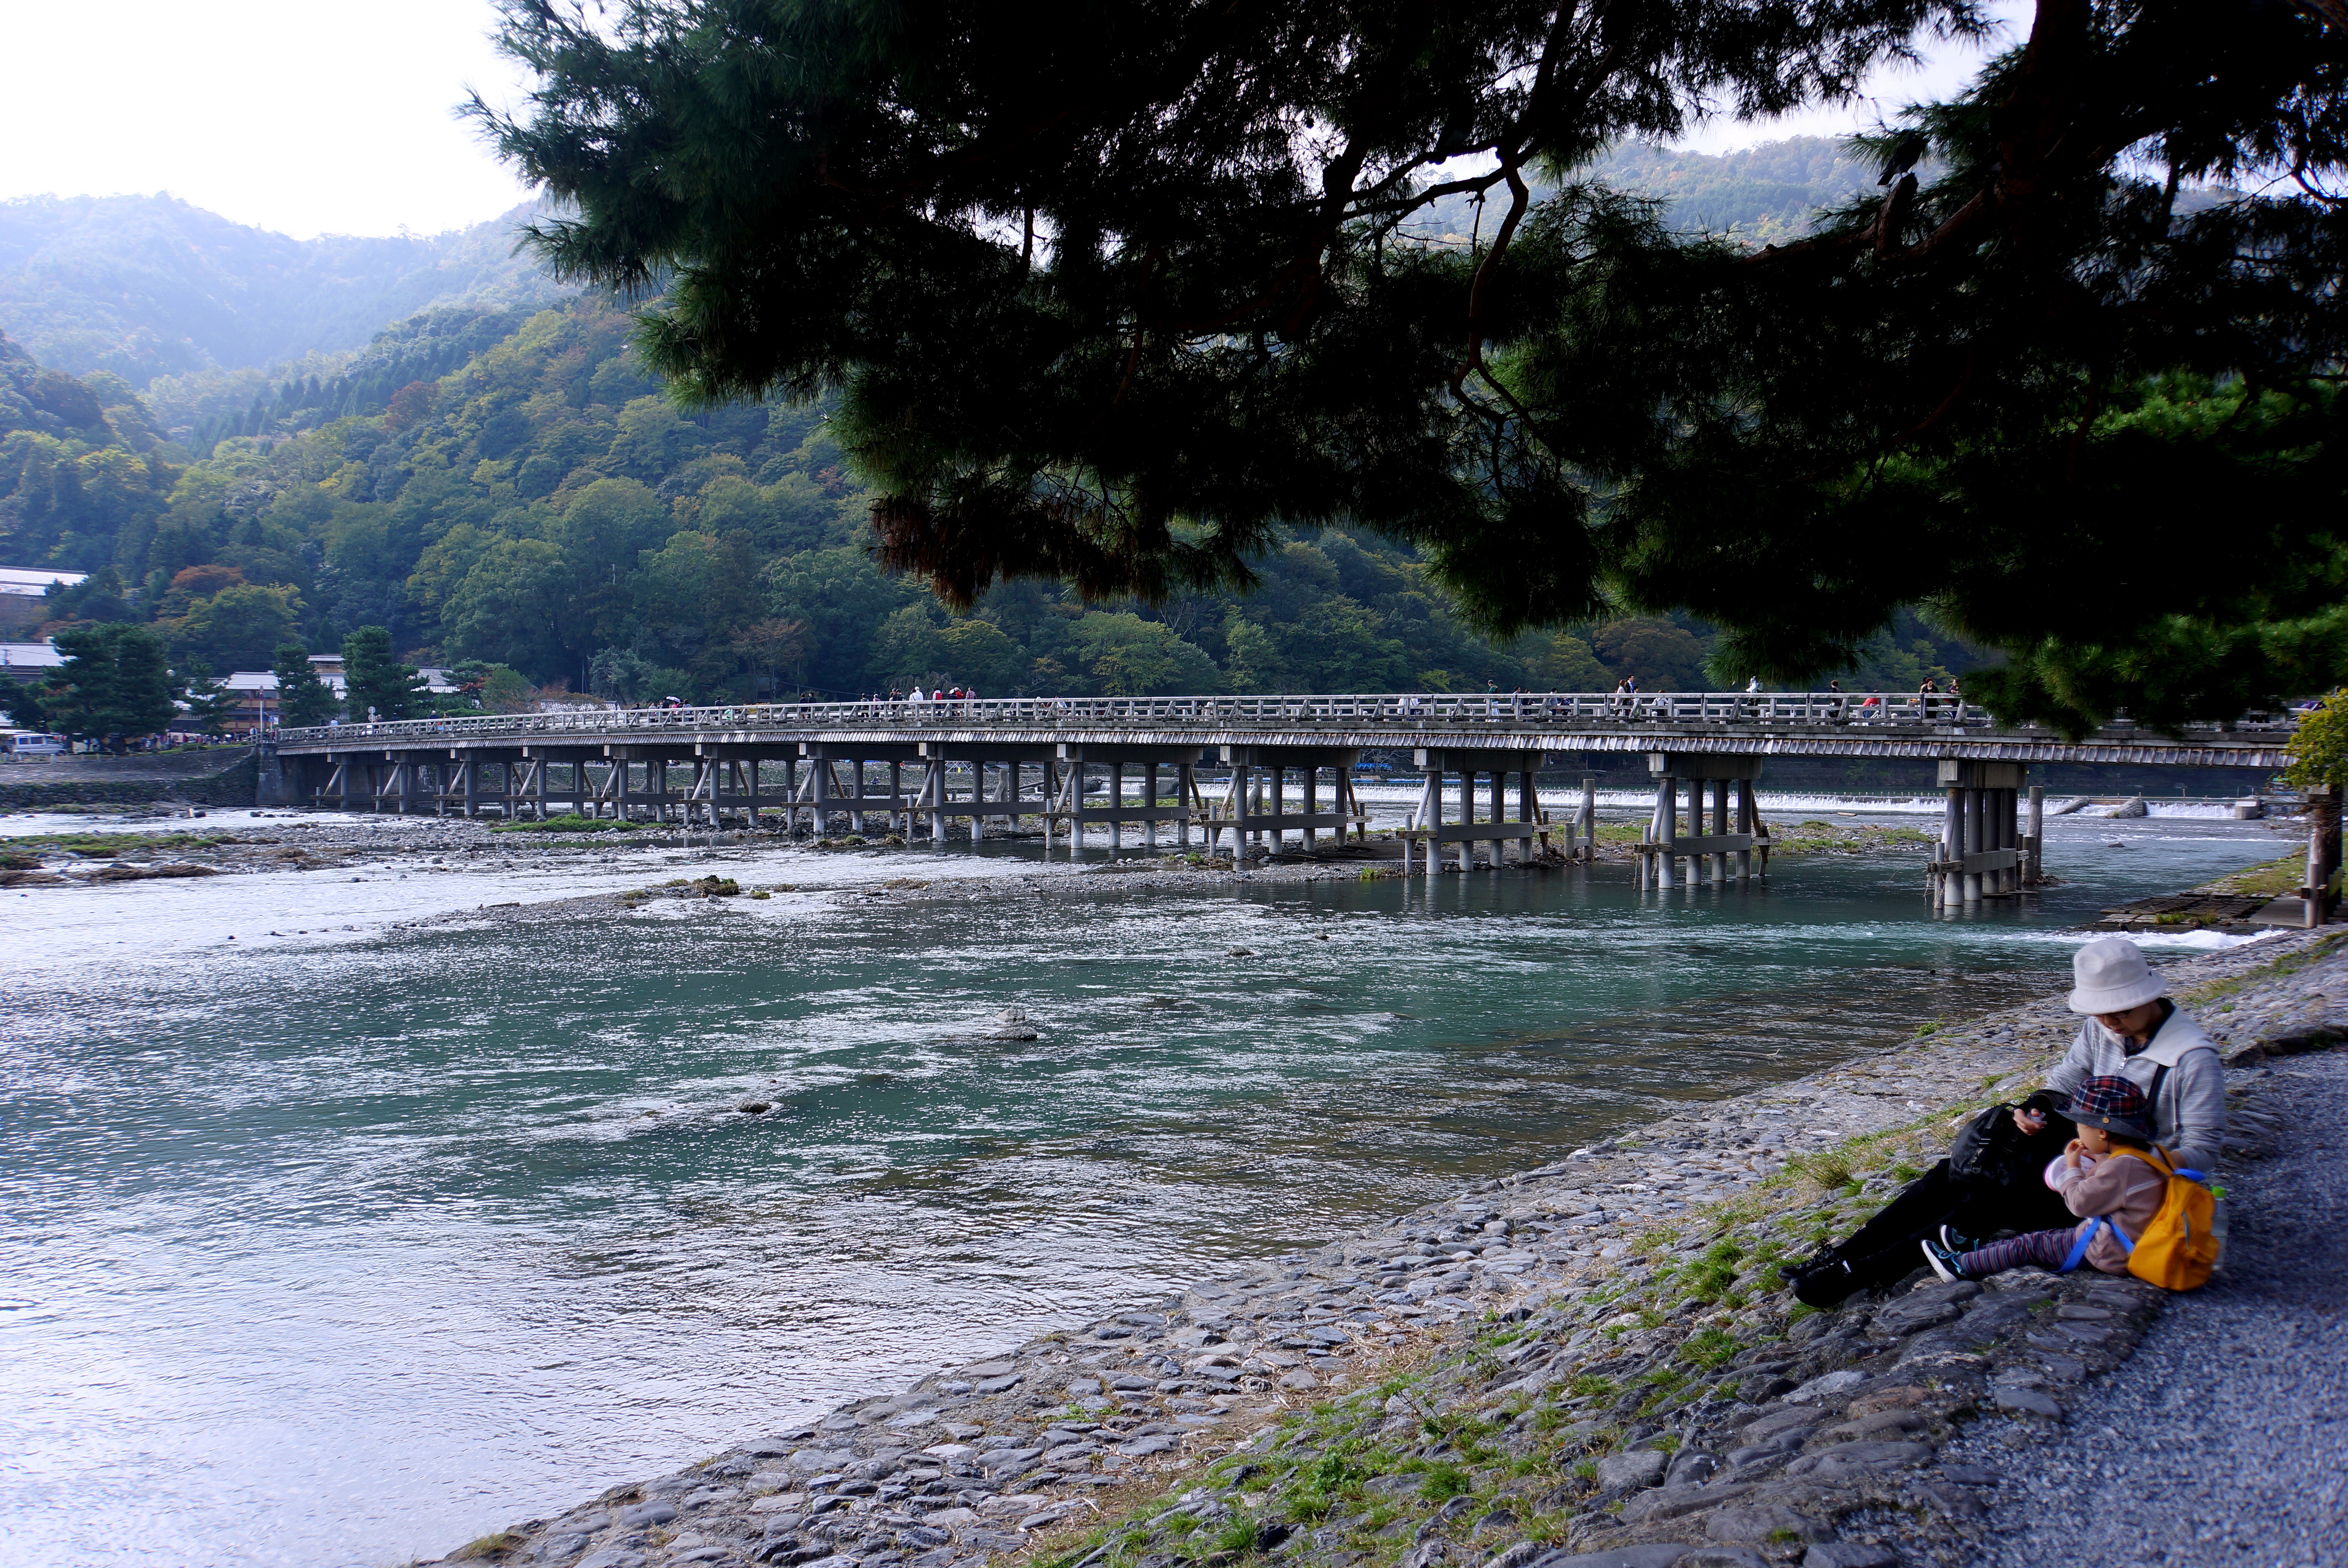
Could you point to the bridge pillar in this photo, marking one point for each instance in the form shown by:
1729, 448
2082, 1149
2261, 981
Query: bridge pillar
1707, 853
1666, 831
1719, 858
1981, 851
1432, 824
2033, 845
1748, 822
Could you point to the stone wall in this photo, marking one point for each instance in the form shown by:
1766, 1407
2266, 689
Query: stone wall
232, 783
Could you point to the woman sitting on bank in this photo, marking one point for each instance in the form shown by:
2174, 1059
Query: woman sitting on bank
2131, 1030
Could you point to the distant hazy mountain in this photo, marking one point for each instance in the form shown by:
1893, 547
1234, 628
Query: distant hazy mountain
148, 285
1763, 194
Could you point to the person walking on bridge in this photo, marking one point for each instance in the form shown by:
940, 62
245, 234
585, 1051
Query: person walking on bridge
2129, 1029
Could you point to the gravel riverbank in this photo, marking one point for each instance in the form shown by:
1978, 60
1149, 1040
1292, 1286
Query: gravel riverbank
1588, 1363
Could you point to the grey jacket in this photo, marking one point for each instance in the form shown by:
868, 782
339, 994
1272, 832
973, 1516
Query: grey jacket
2189, 1119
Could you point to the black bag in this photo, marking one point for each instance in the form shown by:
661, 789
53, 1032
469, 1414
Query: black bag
1988, 1151
1983, 1151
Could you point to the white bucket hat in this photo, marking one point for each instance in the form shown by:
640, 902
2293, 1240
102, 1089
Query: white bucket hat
2112, 977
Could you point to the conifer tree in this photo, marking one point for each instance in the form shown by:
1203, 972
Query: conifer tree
303, 701
115, 684
374, 681
1111, 303
208, 701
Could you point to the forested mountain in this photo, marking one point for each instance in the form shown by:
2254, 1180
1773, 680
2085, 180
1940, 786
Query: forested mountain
512, 487
149, 286
142, 286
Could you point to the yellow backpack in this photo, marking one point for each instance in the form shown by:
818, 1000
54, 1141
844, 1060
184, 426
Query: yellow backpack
2179, 1246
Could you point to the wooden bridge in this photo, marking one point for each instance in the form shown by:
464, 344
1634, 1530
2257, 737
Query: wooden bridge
1284, 764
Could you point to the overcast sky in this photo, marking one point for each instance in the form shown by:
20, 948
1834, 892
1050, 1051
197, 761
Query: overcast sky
313, 117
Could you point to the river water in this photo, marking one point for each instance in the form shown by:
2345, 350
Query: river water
343, 1247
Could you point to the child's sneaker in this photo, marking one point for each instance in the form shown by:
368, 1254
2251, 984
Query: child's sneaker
1956, 1241
1946, 1263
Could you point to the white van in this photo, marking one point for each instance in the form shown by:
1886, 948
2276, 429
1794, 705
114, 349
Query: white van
31, 743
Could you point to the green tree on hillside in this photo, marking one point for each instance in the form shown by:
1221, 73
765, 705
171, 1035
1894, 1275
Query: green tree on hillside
1569, 664
1136, 658
376, 684
907, 650
238, 627
513, 608
1661, 657
1337, 645
1253, 661
976, 653
621, 675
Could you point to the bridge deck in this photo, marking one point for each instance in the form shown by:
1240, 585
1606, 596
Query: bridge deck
1789, 724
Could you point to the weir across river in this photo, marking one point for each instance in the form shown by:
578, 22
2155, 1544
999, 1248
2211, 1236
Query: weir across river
1282, 766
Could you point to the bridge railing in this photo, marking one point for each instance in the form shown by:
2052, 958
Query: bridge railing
1410, 714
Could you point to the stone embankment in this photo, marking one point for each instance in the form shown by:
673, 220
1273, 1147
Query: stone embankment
219, 775
1590, 1365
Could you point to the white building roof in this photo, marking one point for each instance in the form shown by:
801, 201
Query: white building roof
30, 656
32, 582
266, 680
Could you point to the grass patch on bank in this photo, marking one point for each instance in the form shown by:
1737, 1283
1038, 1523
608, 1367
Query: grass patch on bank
1815, 837
2268, 879
115, 842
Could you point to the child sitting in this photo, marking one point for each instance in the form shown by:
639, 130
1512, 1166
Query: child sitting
2122, 1191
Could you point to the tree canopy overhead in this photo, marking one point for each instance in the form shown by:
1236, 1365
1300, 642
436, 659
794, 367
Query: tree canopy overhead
1112, 302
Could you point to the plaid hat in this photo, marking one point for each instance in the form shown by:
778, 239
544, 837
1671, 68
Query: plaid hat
2113, 1103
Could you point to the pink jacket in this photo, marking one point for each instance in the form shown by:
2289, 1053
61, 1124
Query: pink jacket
2122, 1188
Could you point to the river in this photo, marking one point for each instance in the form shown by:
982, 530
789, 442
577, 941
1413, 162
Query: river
342, 1247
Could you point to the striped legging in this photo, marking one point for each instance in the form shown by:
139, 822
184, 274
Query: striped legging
2045, 1248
